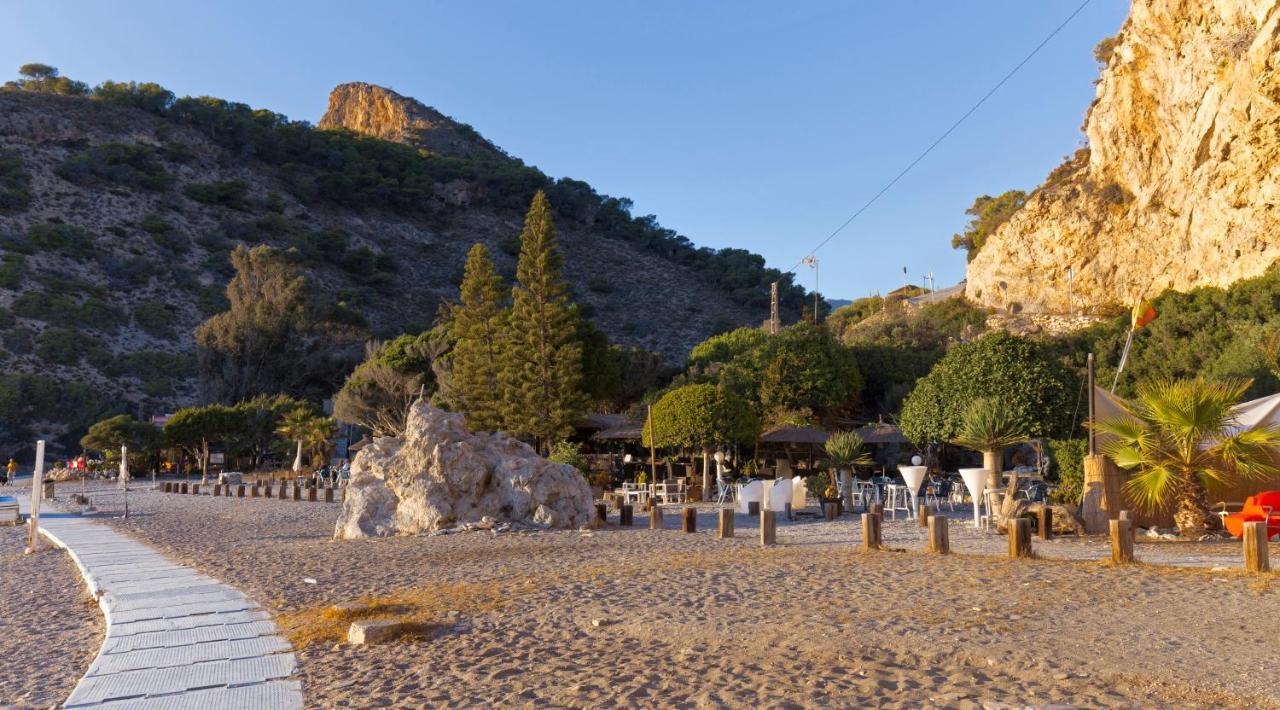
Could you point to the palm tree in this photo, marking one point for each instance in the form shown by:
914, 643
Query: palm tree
1182, 436
311, 431
988, 427
845, 449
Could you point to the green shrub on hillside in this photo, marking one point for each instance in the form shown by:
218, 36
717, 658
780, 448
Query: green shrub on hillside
60, 238
44, 79
157, 320
224, 193
27, 399
64, 310
128, 164
11, 270
17, 340
147, 96
15, 183
60, 346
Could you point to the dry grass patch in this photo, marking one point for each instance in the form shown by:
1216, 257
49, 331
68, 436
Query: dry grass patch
423, 607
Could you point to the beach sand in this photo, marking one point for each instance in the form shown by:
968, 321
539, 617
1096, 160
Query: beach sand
664, 618
50, 628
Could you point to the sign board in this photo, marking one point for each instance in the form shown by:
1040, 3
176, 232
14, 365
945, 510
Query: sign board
217, 458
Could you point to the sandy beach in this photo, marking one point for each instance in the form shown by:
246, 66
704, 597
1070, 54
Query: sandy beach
664, 618
51, 627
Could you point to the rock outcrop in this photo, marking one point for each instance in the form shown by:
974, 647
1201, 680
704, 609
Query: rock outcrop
439, 474
382, 113
1180, 184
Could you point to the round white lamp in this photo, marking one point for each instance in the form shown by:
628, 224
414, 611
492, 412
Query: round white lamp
916, 460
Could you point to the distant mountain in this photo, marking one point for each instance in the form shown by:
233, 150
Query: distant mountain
116, 223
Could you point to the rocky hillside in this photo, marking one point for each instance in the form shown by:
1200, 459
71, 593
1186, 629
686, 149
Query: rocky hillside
1178, 187
116, 224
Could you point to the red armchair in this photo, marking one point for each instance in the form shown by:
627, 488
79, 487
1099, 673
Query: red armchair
1264, 507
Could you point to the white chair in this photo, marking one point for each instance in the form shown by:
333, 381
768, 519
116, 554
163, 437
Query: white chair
780, 495
750, 492
897, 497
799, 494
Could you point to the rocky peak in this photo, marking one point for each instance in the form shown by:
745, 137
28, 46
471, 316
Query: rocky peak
1178, 187
382, 113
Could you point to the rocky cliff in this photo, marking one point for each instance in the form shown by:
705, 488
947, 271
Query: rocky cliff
382, 113
1180, 183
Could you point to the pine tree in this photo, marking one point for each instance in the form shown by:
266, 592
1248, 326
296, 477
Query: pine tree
542, 360
477, 325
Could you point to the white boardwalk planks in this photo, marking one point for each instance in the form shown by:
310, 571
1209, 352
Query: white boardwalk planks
175, 638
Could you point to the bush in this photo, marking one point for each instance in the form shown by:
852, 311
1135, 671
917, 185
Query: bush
66, 239
60, 346
61, 309
1067, 468
226, 193
156, 320
127, 164
147, 96
15, 183
11, 270
567, 453
154, 224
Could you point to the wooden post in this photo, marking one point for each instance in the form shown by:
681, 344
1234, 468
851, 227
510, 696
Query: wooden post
871, 531
939, 537
297, 491
1133, 529
726, 523
217, 489
626, 515
1045, 522
255, 491
1019, 538
753, 507
1256, 554
195, 489
240, 491
268, 489
37, 479
602, 513
1121, 542
165, 488
184, 488
925, 513
768, 528
878, 510
1093, 498
655, 518
328, 495
690, 521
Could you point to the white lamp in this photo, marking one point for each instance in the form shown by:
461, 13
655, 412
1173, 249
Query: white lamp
974, 480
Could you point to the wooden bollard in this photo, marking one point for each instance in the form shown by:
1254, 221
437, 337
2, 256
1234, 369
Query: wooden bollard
1256, 555
626, 515
1121, 542
255, 491
768, 528
753, 507
195, 489
284, 490
1019, 538
939, 538
877, 509
328, 495
1044, 522
217, 489
602, 513
267, 490
1133, 529
655, 518
240, 491
829, 509
167, 488
184, 487
726, 523
871, 531
689, 521
297, 491
313, 494
925, 512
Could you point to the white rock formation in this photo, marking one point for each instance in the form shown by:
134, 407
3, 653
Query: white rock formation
440, 474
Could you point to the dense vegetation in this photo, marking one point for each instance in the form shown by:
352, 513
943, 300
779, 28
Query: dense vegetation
989, 214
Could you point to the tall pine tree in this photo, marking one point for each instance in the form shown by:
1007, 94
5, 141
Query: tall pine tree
541, 358
477, 323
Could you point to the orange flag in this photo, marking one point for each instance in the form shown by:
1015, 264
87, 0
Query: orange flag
1143, 313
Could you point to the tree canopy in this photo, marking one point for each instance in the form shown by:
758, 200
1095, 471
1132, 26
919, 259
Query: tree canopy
988, 213
701, 416
108, 435
1037, 392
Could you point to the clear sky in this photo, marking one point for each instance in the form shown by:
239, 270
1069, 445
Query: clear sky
761, 125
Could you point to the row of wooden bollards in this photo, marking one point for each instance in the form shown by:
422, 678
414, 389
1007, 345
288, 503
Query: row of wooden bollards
256, 490
1256, 552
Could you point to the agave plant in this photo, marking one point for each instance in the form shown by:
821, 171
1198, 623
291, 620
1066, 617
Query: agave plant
988, 427
1181, 436
845, 449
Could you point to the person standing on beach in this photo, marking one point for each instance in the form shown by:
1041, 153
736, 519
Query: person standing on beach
11, 470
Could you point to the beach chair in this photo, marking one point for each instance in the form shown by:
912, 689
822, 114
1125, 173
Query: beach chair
1259, 508
750, 492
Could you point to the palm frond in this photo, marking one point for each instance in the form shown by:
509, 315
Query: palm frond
988, 426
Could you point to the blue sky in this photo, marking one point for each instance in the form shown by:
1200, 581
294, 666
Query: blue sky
738, 123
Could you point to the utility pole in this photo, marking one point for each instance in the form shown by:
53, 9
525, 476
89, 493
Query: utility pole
773, 309
812, 262
1070, 308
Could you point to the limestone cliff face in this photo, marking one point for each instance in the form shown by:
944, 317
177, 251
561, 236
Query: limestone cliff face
382, 113
1180, 184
